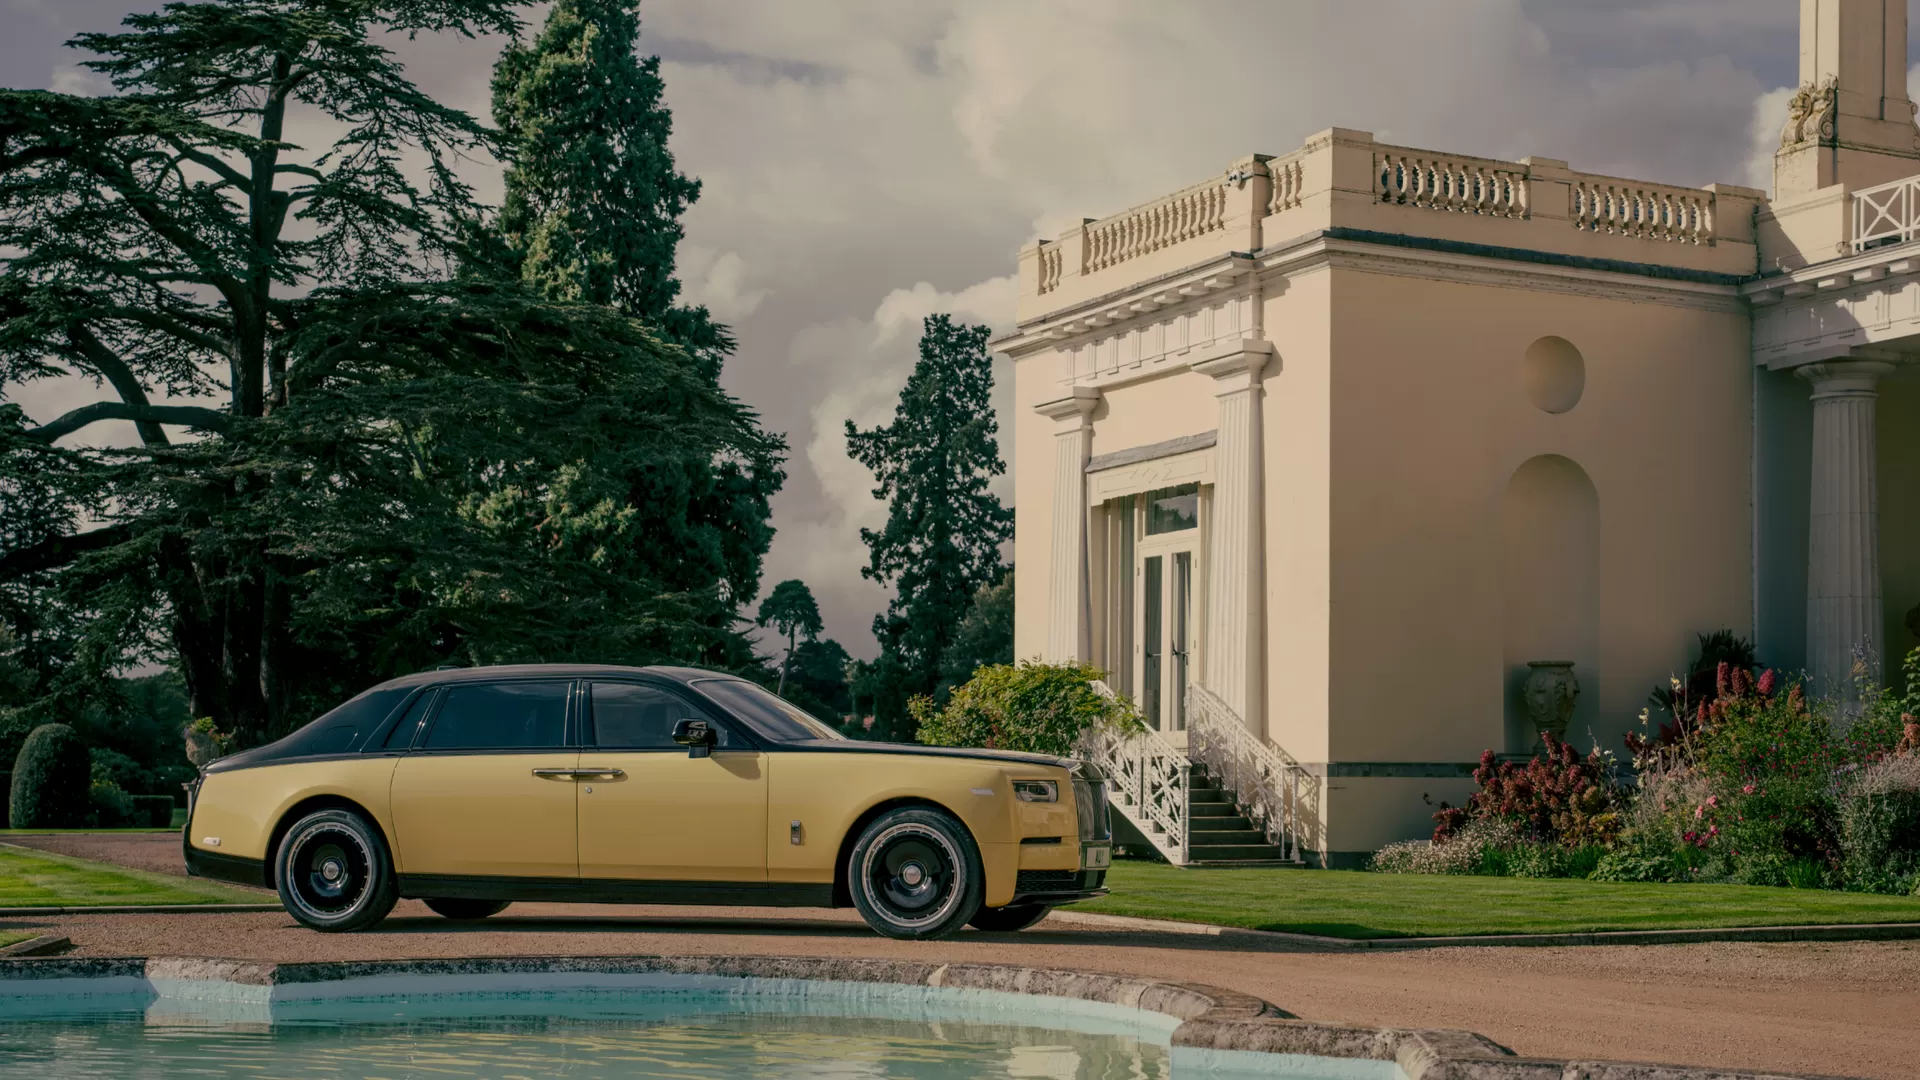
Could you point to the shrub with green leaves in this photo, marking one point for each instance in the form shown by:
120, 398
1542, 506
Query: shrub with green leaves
51, 781
1029, 706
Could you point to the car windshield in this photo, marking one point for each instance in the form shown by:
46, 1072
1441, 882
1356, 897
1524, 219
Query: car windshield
769, 715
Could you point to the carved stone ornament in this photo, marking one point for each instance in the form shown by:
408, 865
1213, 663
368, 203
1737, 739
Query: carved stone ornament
1551, 691
1811, 113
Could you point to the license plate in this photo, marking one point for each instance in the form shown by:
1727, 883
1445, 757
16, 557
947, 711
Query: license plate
1096, 858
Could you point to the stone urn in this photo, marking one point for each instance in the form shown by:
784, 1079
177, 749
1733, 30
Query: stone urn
1551, 691
202, 747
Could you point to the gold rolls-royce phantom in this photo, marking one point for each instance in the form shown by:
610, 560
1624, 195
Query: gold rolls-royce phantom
473, 788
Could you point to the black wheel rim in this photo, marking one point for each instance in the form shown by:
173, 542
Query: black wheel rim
328, 870
913, 875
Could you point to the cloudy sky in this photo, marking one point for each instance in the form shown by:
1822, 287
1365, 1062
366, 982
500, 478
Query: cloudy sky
868, 162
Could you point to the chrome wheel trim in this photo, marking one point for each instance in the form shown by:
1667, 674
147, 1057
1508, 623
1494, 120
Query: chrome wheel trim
923, 853
328, 862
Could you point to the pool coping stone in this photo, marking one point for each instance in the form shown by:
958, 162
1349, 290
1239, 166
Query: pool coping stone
1211, 1018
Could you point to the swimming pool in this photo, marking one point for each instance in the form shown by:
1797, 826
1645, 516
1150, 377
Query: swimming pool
591, 1025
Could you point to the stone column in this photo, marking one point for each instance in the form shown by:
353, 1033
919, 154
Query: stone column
1067, 599
1236, 613
1844, 613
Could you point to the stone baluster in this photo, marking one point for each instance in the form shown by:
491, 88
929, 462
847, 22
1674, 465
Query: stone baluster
1843, 556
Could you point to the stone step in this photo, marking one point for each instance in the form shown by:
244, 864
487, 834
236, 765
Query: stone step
1210, 836
1233, 852
1245, 864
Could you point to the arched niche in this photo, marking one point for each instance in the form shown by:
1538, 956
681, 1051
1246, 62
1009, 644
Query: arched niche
1550, 569
1554, 374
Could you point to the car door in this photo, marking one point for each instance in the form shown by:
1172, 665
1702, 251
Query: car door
488, 787
655, 813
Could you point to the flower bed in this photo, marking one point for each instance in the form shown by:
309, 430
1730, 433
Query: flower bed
1752, 782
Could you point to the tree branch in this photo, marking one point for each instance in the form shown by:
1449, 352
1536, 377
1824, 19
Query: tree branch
110, 367
58, 551
191, 415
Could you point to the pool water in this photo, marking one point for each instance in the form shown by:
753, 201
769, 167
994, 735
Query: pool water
698, 1034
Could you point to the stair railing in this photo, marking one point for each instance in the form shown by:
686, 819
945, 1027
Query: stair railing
1272, 789
1147, 782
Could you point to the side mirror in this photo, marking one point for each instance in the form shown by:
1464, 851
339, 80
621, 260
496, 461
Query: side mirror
696, 735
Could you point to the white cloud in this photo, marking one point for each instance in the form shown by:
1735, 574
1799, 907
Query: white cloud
74, 79
718, 281
1769, 119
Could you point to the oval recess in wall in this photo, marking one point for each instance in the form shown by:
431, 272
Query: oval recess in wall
1554, 374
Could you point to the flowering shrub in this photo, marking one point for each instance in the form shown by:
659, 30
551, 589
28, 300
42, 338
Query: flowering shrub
1557, 798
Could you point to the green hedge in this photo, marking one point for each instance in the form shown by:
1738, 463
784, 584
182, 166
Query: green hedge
155, 811
51, 784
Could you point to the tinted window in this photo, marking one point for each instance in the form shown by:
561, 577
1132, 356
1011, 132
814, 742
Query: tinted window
401, 736
337, 731
632, 716
501, 716
766, 713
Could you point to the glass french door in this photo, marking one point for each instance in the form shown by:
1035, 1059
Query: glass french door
1165, 601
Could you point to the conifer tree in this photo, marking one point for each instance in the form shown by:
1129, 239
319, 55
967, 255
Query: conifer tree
400, 466
944, 530
593, 199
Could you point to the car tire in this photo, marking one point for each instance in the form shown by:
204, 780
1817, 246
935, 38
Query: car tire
465, 910
334, 872
915, 874
1009, 919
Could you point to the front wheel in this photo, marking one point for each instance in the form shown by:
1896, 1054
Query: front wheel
334, 873
463, 910
915, 874
1009, 919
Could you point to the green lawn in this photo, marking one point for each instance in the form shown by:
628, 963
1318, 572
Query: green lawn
1352, 904
39, 879
9, 937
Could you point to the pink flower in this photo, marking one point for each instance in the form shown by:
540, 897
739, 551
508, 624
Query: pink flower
1713, 800
1748, 790
1698, 811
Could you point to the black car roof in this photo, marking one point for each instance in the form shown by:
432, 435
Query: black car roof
550, 671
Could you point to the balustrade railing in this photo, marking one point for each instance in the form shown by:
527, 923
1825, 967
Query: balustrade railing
1272, 789
1194, 212
1289, 182
1146, 782
1457, 184
1051, 261
1886, 214
1648, 211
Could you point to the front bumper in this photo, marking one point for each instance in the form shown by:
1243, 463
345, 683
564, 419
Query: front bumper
1057, 886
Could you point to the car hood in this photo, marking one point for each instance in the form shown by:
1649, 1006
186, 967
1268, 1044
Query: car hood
854, 746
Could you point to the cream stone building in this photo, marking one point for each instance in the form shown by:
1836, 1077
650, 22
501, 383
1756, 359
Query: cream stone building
1315, 456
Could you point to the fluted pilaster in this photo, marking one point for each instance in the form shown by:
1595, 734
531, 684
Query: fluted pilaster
1843, 555
1067, 599
1231, 666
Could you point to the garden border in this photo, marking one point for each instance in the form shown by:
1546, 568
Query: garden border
1211, 1018
1833, 932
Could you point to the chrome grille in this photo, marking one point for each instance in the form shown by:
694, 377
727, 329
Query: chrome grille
1090, 803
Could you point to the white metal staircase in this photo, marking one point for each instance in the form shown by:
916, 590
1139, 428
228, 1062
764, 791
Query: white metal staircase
1229, 799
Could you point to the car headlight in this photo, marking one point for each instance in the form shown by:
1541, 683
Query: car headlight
1036, 791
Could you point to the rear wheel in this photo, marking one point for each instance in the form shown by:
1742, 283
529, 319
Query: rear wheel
334, 873
450, 907
915, 873
1009, 919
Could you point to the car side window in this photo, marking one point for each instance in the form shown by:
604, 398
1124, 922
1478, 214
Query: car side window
401, 737
501, 716
639, 716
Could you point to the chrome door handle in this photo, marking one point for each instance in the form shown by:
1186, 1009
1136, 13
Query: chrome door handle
599, 774
551, 773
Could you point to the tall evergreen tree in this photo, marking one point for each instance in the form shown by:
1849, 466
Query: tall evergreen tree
790, 609
592, 215
404, 467
944, 530
593, 199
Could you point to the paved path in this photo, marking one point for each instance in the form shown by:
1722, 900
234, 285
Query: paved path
1844, 1008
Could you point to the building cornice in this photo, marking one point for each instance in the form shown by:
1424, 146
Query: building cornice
1089, 317
1472, 264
